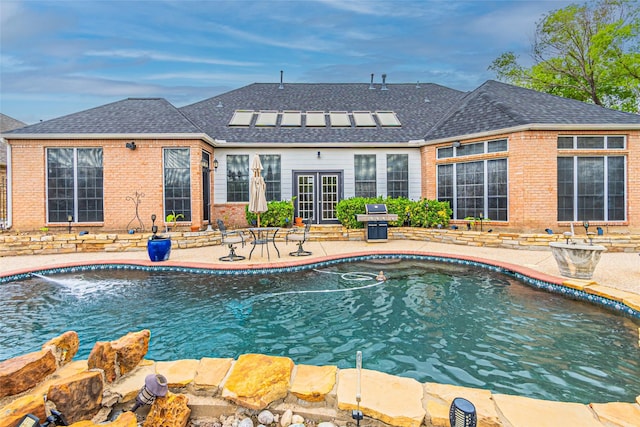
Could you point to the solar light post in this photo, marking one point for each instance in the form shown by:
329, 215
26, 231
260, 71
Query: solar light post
462, 413
357, 413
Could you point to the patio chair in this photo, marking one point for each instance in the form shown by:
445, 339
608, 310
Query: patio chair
231, 238
299, 235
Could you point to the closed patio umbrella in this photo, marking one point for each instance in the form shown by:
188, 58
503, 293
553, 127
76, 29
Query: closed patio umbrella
257, 189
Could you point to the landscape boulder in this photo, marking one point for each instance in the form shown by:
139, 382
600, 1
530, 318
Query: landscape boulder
24, 372
169, 411
119, 357
78, 397
63, 347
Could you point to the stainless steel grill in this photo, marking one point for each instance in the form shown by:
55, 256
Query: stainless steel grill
376, 222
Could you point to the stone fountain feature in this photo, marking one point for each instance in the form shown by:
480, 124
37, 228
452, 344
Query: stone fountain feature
577, 260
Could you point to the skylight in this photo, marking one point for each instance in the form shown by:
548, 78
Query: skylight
388, 119
316, 118
363, 119
267, 118
291, 118
339, 119
241, 118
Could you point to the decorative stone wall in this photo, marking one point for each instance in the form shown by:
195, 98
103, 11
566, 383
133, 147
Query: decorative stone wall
12, 244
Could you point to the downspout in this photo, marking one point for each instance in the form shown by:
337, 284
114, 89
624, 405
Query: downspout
9, 198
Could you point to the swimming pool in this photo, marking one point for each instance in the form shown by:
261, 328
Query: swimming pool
446, 323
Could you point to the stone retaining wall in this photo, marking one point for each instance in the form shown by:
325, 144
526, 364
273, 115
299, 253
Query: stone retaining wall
34, 244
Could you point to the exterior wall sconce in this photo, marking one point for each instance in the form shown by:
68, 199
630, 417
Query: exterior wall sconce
69, 220
215, 164
318, 154
456, 144
131, 145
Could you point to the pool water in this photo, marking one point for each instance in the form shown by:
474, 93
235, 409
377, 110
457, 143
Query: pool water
433, 322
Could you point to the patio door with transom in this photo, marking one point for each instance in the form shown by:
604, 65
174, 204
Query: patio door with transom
317, 195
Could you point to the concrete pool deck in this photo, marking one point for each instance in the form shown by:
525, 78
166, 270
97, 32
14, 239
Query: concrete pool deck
617, 276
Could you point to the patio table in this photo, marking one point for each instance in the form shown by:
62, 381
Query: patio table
263, 236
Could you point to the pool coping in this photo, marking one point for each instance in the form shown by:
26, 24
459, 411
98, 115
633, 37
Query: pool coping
620, 301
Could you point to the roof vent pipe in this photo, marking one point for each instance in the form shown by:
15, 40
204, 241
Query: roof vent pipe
281, 76
384, 82
371, 84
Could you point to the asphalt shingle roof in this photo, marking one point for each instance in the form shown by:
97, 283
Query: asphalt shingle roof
426, 111
418, 108
496, 105
129, 116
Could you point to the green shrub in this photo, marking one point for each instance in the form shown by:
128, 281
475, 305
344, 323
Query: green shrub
421, 213
347, 209
279, 214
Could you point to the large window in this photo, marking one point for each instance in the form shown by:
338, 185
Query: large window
177, 182
365, 175
475, 188
238, 178
397, 175
591, 188
271, 175
74, 184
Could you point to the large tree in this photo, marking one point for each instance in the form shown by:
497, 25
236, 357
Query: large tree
589, 52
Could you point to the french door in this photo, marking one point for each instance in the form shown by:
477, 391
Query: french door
317, 194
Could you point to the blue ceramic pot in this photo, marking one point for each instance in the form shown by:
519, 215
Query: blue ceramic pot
159, 248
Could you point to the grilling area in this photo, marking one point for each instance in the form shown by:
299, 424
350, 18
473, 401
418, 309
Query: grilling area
376, 221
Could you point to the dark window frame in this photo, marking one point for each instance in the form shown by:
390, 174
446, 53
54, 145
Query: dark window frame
475, 187
75, 184
176, 183
365, 175
397, 175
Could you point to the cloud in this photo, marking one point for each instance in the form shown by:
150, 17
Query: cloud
306, 42
157, 56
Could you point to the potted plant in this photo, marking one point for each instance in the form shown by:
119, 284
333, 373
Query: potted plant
173, 218
158, 247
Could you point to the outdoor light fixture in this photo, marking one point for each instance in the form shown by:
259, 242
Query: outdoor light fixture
462, 413
155, 385
205, 164
69, 220
56, 419
215, 164
456, 144
356, 414
586, 226
31, 420
154, 227
318, 154
131, 145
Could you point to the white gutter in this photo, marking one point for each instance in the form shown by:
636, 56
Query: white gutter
410, 144
9, 222
533, 126
50, 136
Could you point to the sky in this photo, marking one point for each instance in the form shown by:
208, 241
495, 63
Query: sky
59, 57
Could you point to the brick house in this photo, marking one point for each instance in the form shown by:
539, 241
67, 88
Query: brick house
524, 159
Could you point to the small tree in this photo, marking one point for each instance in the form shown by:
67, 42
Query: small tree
588, 52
